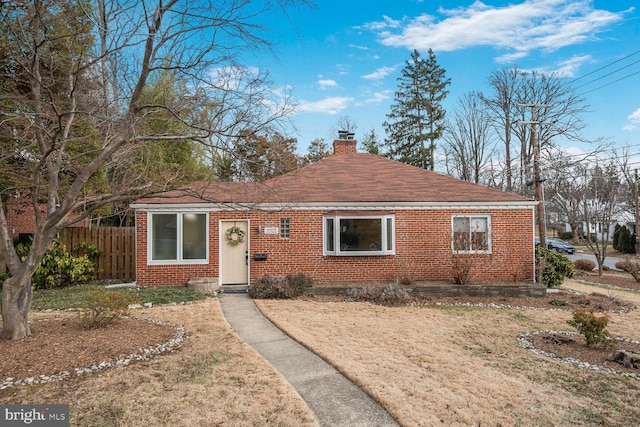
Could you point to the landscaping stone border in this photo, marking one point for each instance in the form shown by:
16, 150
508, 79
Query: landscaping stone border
508, 291
144, 354
525, 341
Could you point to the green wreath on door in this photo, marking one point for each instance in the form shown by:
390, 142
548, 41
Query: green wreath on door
235, 236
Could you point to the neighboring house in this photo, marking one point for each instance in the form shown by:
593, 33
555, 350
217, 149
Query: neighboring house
557, 219
21, 219
350, 217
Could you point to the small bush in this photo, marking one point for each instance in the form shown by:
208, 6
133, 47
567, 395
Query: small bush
558, 302
592, 327
99, 307
556, 267
271, 287
584, 264
298, 283
565, 235
631, 265
391, 295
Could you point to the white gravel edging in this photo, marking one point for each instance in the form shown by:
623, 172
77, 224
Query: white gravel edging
144, 354
525, 341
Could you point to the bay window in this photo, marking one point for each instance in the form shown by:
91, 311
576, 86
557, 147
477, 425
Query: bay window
358, 235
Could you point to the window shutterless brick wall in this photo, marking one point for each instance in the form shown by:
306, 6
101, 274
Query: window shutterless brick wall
423, 246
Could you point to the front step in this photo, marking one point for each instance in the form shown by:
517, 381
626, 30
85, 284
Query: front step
203, 284
233, 289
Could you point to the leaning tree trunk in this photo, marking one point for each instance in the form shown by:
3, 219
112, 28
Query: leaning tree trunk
16, 303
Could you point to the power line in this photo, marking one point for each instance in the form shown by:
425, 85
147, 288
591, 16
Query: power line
607, 66
610, 83
607, 75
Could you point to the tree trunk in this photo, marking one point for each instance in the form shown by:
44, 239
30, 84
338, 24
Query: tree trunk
16, 303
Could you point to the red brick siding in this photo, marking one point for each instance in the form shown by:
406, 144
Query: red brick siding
21, 217
423, 244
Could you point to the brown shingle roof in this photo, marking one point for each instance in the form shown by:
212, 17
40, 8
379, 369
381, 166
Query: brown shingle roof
363, 177
348, 178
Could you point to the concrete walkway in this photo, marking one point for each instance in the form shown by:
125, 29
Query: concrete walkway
334, 400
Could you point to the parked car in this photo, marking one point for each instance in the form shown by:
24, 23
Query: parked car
558, 245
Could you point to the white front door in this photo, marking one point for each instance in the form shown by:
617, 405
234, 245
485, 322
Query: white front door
234, 252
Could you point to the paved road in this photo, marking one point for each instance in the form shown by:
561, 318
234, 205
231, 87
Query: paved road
608, 261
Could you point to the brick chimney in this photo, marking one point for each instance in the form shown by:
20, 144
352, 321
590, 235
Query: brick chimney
345, 143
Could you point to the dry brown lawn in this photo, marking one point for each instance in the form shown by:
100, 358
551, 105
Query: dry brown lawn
429, 366
462, 366
214, 379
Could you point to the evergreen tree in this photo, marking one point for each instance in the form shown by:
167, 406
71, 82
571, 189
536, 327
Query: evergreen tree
416, 118
371, 143
318, 150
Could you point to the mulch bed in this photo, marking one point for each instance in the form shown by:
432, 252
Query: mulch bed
62, 344
575, 346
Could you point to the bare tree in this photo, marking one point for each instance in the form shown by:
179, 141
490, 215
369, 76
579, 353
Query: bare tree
520, 100
600, 207
501, 103
58, 131
468, 139
344, 124
632, 181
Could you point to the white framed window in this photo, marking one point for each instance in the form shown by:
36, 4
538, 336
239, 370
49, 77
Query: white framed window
359, 235
471, 233
178, 238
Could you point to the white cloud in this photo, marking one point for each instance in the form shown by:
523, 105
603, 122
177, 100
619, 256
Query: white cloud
381, 25
358, 47
634, 120
521, 28
568, 68
325, 83
378, 97
332, 105
379, 74
510, 57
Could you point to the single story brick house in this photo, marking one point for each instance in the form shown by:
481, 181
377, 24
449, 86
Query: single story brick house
349, 217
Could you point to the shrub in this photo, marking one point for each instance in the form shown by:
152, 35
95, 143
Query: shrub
407, 274
592, 327
558, 302
623, 240
298, 283
99, 307
556, 267
271, 287
461, 267
565, 235
59, 268
631, 265
389, 296
584, 264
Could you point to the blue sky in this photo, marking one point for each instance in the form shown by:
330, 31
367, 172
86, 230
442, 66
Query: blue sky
344, 58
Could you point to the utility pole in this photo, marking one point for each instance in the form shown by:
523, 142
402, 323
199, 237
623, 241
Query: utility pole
637, 213
537, 181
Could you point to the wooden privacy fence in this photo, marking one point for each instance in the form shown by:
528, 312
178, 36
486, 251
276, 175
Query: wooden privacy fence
117, 244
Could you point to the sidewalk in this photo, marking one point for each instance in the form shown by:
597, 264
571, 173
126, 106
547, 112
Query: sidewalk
334, 400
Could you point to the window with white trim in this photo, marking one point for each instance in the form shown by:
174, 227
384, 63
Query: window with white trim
178, 237
471, 233
359, 235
